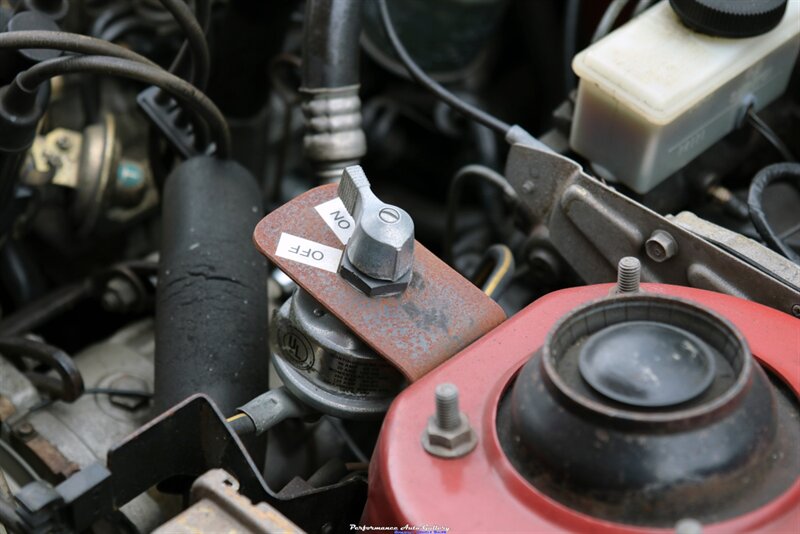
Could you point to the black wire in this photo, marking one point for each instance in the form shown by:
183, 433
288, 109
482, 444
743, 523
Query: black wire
769, 134
431, 85
454, 196
195, 41
195, 29
68, 42
765, 177
119, 392
197, 102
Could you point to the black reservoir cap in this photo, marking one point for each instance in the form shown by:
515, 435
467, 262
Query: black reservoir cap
730, 18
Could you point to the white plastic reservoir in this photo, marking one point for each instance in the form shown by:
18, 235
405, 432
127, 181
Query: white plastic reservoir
654, 94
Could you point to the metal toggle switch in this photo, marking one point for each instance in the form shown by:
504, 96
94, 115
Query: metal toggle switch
379, 256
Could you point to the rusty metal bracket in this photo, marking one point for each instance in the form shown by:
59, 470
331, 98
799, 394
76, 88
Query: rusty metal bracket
593, 226
417, 330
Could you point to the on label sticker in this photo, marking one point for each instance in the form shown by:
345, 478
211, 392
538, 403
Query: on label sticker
308, 252
337, 218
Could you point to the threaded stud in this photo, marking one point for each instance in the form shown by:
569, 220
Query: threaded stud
629, 273
448, 415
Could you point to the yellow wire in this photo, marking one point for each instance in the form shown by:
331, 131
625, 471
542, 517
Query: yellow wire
233, 418
501, 272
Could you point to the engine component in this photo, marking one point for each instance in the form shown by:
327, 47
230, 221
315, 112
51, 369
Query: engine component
643, 111
266, 411
118, 379
326, 366
144, 351
332, 108
416, 330
564, 446
379, 255
212, 287
218, 507
110, 190
592, 226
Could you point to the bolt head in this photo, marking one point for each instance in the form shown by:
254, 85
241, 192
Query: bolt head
661, 246
24, 430
372, 287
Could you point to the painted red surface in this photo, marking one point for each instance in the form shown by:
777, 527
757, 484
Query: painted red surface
482, 492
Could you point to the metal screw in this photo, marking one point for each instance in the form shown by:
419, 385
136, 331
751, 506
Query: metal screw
24, 430
448, 433
629, 273
796, 310
447, 413
661, 246
688, 526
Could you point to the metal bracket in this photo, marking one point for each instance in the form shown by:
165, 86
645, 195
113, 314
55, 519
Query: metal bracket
593, 226
416, 330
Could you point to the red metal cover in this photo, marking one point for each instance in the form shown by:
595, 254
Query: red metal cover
482, 492
437, 316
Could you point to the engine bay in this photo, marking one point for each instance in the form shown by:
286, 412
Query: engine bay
399, 265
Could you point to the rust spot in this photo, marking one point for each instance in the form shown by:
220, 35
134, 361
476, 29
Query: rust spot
51, 457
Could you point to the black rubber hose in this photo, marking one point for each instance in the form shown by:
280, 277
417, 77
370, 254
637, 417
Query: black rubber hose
211, 300
331, 32
764, 178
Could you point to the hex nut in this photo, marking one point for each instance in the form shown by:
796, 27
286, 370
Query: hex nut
661, 246
449, 443
372, 287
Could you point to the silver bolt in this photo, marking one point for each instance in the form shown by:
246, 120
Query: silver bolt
448, 433
688, 526
629, 273
661, 246
448, 416
796, 310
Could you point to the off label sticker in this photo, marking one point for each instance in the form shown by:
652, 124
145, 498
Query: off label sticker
308, 252
337, 218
